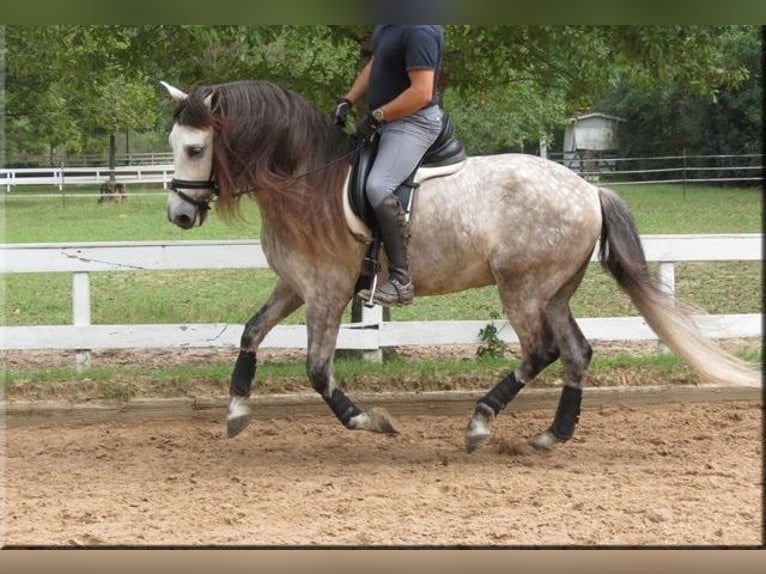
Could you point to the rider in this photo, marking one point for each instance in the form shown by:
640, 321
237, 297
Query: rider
400, 82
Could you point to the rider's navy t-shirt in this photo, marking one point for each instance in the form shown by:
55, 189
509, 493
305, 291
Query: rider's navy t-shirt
397, 49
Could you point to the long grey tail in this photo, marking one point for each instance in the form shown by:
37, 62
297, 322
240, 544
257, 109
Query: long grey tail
622, 254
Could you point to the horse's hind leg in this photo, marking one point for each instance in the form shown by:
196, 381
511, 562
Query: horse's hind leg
538, 350
280, 304
576, 353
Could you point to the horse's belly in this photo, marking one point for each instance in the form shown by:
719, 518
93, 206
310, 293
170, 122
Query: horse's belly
500, 215
440, 273
452, 255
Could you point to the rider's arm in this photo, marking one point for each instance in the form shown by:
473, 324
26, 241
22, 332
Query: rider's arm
361, 84
415, 97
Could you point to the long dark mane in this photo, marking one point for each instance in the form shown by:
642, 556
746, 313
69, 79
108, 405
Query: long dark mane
273, 142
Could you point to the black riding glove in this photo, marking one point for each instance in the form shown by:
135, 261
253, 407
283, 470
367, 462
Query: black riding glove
368, 126
341, 112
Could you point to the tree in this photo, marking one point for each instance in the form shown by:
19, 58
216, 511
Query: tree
531, 78
66, 83
122, 105
505, 85
37, 110
667, 118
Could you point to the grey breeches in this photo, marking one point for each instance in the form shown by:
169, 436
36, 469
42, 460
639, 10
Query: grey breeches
402, 144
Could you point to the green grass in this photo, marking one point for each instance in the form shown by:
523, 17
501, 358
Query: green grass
234, 295
699, 209
126, 381
75, 217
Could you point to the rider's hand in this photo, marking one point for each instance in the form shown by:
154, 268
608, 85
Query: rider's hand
340, 114
368, 126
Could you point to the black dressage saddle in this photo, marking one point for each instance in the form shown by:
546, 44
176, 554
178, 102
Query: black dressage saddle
446, 150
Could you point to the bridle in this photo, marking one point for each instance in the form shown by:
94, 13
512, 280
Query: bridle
203, 205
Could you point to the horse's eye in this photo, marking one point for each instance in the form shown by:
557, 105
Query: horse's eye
195, 150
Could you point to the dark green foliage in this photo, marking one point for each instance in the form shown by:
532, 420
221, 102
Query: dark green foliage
70, 87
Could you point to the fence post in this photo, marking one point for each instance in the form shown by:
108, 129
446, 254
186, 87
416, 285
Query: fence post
372, 316
667, 277
81, 313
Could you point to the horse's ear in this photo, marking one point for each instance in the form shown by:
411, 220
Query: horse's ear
178, 95
209, 101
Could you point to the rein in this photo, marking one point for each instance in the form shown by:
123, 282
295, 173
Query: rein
331, 162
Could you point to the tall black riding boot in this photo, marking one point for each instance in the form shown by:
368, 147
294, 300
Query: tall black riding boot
394, 232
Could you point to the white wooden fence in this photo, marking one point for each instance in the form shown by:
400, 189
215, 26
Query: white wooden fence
370, 334
668, 169
61, 176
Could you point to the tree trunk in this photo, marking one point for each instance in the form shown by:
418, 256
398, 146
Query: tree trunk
112, 160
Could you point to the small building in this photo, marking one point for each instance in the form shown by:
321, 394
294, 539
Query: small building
590, 141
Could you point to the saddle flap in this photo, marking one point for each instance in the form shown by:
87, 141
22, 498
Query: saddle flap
360, 169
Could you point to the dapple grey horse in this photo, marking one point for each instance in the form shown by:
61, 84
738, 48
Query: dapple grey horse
525, 224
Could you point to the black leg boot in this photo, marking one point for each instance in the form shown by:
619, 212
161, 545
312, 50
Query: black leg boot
394, 232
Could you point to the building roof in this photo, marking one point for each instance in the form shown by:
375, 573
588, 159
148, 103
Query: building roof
596, 115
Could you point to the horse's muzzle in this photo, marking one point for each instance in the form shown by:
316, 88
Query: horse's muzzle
186, 214
183, 221
190, 210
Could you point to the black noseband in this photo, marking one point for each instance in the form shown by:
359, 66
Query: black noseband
202, 204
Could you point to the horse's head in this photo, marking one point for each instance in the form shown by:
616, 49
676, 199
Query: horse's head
192, 185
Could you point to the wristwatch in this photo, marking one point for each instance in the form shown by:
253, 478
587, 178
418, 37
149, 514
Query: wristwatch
377, 114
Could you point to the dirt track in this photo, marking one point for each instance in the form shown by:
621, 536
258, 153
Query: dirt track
672, 474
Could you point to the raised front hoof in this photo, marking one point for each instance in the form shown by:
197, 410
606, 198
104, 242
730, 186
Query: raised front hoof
239, 416
544, 441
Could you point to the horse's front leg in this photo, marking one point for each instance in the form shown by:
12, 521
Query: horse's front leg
280, 304
323, 323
